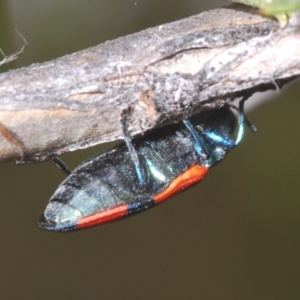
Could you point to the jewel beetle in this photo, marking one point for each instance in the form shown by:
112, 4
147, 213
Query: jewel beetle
141, 173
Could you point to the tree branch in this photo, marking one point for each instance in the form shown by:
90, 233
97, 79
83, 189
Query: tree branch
165, 73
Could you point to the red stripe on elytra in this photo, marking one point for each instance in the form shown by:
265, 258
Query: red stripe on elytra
191, 176
103, 216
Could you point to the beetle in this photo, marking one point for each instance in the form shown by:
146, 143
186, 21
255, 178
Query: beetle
141, 173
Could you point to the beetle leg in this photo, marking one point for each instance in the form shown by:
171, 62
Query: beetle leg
60, 164
135, 157
243, 120
205, 140
199, 141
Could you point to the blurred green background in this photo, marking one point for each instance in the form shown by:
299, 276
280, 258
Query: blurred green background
233, 236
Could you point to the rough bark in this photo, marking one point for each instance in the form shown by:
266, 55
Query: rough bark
165, 73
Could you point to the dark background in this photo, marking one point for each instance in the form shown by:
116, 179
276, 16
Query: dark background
233, 236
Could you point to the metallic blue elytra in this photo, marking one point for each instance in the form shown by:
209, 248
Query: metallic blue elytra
110, 185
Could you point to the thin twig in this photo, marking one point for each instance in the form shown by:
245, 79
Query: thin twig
165, 73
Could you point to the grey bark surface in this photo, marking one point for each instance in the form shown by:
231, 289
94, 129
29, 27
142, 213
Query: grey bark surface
165, 74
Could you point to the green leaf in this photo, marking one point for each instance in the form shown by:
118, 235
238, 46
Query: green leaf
280, 9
